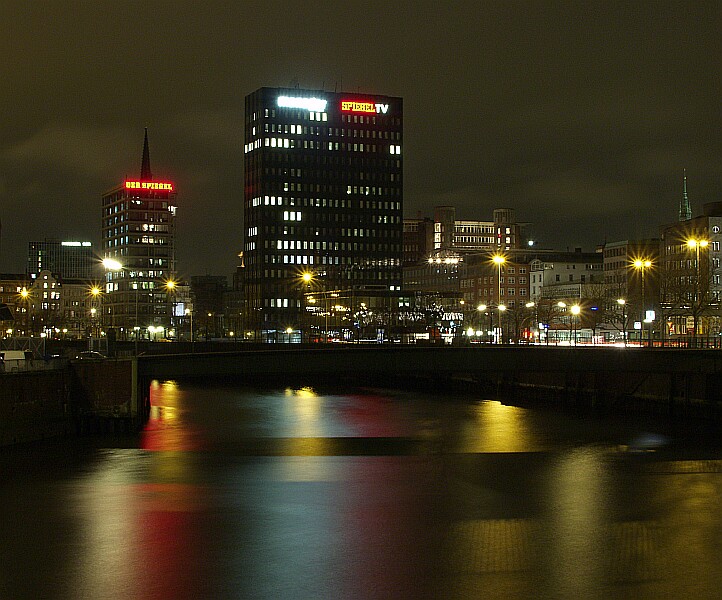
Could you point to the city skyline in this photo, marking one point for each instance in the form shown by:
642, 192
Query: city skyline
581, 118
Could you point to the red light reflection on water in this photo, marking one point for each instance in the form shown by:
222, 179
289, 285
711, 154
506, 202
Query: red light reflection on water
373, 416
170, 533
166, 429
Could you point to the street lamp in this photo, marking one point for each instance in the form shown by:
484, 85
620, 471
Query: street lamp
170, 286
642, 265
536, 318
189, 312
575, 313
502, 308
696, 245
499, 260
622, 303
482, 309
94, 294
25, 295
111, 264
562, 306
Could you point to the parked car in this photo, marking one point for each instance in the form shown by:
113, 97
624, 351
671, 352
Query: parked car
90, 355
13, 360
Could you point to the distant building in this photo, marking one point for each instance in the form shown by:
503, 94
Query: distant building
424, 237
68, 259
138, 231
623, 280
418, 240
690, 287
490, 283
323, 195
11, 287
208, 297
565, 275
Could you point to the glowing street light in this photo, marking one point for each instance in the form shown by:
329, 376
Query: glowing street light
695, 244
189, 312
499, 260
170, 285
25, 296
575, 310
622, 303
642, 265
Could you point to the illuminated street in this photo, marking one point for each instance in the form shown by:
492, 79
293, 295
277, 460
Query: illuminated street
321, 493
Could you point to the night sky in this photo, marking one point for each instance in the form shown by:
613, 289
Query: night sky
580, 115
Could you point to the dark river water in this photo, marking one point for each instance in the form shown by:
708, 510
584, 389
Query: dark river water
304, 492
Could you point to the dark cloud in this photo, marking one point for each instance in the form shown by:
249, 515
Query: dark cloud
580, 115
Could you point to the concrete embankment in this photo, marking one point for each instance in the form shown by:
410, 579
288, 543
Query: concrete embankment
76, 397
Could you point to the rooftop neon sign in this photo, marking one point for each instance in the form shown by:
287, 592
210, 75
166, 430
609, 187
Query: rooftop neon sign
361, 106
312, 104
148, 185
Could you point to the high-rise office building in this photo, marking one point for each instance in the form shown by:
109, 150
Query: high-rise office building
138, 233
323, 195
67, 259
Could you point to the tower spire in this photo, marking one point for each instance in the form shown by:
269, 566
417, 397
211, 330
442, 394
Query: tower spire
685, 212
145, 173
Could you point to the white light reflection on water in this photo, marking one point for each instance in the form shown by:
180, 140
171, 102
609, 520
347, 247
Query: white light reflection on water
576, 520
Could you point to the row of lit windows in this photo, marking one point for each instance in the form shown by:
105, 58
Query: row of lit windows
330, 173
314, 145
323, 232
126, 240
504, 292
292, 129
149, 205
508, 280
323, 116
475, 229
309, 259
282, 302
476, 240
327, 202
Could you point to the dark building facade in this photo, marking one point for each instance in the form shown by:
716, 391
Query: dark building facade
323, 195
69, 259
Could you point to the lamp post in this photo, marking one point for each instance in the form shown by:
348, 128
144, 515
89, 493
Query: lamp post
111, 265
25, 296
642, 265
576, 310
94, 295
502, 309
622, 303
481, 309
562, 307
189, 312
499, 260
696, 245
170, 286
536, 318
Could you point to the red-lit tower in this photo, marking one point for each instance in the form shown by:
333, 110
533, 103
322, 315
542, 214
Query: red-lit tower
138, 233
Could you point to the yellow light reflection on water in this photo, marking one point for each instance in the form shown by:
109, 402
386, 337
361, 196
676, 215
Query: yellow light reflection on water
304, 410
306, 441
497, 428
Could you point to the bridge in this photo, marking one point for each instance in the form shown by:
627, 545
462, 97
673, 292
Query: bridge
656, 379
427, 361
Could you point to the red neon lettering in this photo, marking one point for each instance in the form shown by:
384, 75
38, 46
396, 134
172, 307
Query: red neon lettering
353, 106
148, 185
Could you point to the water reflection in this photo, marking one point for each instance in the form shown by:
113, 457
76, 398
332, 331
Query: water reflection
309, 493
496, 427
576, 521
